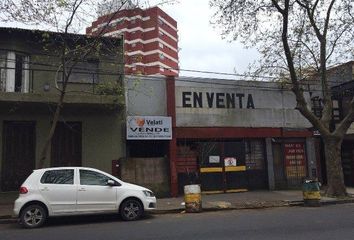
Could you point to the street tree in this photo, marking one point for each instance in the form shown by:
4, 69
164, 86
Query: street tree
297, 41
65, 17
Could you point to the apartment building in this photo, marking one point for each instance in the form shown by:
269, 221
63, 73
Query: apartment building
151, 39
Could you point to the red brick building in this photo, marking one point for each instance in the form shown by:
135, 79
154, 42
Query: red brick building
151, 40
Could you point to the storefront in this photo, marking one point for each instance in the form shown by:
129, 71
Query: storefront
148, 134
222, 166
232, 136
228, 136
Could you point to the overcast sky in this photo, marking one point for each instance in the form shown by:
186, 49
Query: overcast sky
202, 47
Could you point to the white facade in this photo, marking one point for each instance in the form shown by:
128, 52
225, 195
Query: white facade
227, 103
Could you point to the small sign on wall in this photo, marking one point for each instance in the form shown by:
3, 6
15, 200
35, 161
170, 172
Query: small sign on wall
214, 159
149, 128
230, 162
351, 129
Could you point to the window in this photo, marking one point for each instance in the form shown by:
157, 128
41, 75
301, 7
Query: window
14, 72
336, 110
88, 177
65, 176
136, 58
161, 34
84, 72
161, 56
160, 22
3, 70
317, 106
147, 149
255, 158
160, 45
134, 45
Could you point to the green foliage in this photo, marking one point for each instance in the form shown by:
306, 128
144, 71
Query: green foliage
109, 88
113, 89
62, 3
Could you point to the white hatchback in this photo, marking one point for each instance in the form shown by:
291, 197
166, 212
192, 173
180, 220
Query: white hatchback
64, 191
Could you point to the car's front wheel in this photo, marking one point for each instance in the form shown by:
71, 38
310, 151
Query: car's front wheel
33, 216
131, 209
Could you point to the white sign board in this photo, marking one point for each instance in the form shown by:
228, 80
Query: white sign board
214, 159
149, 128
351, 129
230, 162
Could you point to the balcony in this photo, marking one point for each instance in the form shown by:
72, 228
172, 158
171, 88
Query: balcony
36, 91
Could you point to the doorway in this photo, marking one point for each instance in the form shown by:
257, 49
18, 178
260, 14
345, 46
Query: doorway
67, 145
222, 166
18, 153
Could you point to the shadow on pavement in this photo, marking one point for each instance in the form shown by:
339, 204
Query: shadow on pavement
83, 220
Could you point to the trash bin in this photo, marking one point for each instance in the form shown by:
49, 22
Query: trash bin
311, 193
193, 198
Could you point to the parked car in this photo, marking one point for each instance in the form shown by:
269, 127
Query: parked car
64, 191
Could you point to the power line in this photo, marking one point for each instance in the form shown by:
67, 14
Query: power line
232, 83
86, 70
169, 68
165, 68
187, 78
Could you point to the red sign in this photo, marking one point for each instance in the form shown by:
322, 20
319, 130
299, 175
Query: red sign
295, 160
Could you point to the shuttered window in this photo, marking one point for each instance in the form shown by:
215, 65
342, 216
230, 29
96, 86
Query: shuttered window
255, 155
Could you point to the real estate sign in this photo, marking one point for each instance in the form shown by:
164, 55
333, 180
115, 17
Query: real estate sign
149, 128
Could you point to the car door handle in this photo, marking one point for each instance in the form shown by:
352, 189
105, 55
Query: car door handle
82, 189
45, 189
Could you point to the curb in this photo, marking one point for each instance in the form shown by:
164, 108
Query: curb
7, 219
286, 204
339, 201
214, 209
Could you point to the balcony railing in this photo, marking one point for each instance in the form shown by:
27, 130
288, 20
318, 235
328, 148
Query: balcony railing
28, 81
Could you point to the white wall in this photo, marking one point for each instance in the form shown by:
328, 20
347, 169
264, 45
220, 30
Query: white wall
273, 106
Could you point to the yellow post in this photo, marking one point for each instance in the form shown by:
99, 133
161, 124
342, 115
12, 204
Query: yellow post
193, 198
311, 193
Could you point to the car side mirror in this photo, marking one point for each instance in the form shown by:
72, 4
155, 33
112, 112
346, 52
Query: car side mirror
112, 183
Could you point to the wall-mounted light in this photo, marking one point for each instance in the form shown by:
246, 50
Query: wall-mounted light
46, 87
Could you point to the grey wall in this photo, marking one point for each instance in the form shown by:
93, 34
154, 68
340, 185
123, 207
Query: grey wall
341, 74
152, 173
146, 96
273, 106
101, 137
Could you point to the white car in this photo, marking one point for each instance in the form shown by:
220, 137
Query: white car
64, 191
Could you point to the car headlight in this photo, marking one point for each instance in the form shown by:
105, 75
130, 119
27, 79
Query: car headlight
148, 193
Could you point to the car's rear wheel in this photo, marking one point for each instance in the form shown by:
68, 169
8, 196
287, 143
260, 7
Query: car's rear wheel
131, 209
33, 216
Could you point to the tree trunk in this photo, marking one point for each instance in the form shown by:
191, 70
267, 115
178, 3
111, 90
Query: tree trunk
44, 152
335, 178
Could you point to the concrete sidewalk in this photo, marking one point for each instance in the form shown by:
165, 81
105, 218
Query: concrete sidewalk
247, 200
210, 202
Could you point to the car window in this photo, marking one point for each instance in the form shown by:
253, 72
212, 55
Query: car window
65, 176
88, 177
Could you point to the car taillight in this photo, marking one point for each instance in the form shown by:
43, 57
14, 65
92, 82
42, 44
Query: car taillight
23, 190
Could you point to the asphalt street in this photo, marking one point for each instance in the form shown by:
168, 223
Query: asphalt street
327, 222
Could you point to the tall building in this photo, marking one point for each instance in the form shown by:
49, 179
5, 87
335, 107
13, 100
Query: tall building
151, 39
